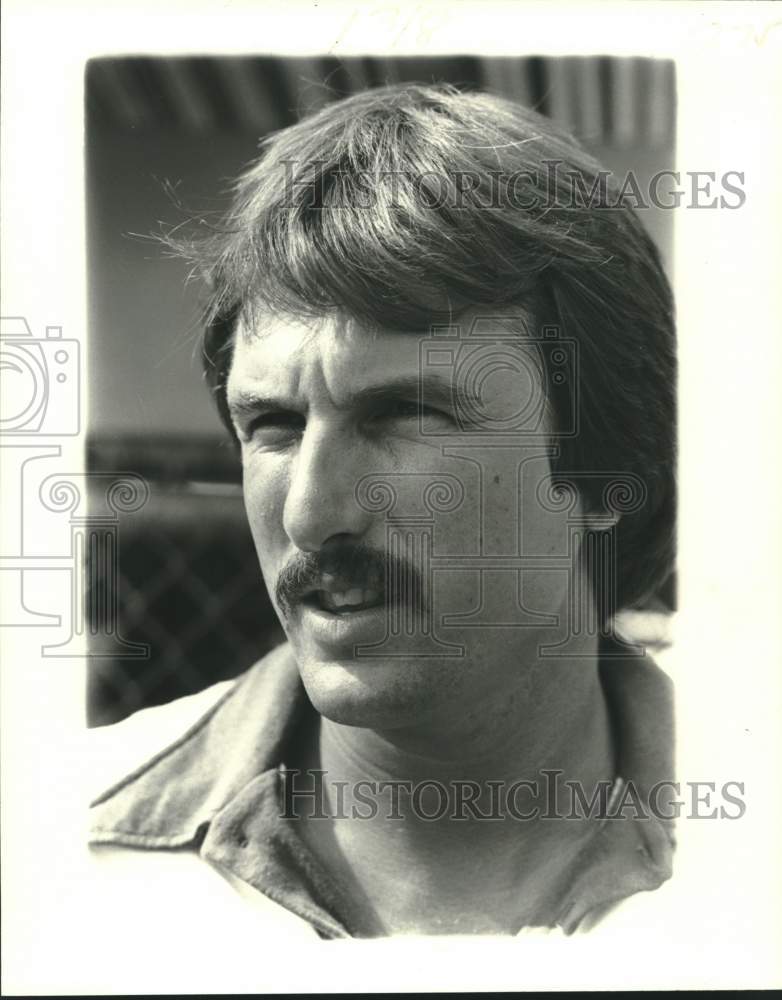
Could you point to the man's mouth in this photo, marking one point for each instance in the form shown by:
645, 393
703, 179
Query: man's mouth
341, 597
346, 601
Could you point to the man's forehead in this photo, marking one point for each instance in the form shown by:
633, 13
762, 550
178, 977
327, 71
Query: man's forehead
286, 342
338, 353
258, 324
471, 323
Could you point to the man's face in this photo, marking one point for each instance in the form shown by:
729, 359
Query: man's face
388, 497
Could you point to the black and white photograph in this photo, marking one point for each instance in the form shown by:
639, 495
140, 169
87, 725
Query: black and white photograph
389, 553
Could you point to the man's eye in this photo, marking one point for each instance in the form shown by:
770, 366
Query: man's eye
275, 427
401, 410
411, 410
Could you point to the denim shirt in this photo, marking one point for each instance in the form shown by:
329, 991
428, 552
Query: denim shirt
216, 791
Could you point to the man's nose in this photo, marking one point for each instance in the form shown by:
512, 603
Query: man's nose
321, 500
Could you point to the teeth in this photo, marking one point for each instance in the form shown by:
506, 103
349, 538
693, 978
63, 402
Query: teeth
355, 597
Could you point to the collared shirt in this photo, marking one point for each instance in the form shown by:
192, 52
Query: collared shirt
214, 793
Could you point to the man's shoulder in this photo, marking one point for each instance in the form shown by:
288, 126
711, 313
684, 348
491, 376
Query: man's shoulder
119, 749
164, 770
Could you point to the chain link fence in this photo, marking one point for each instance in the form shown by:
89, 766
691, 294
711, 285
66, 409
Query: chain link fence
187, 579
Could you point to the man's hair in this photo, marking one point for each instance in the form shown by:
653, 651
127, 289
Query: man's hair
401, 205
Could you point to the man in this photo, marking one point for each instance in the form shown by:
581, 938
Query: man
445, 350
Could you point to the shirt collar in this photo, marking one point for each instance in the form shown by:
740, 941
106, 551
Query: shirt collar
216, 790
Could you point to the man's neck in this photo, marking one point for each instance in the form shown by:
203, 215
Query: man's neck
480, 865
557, 722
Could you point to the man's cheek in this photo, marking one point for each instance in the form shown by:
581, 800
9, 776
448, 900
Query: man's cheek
264, 516
265, 489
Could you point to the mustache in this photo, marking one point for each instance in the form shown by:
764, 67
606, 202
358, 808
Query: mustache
399, 578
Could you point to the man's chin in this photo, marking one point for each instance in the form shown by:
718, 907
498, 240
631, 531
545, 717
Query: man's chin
374, 692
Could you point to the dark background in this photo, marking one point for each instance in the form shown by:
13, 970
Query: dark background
165, 136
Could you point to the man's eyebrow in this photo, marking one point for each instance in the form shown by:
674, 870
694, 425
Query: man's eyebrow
422, 388
246, 401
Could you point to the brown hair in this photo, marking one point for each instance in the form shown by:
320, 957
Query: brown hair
402, 204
